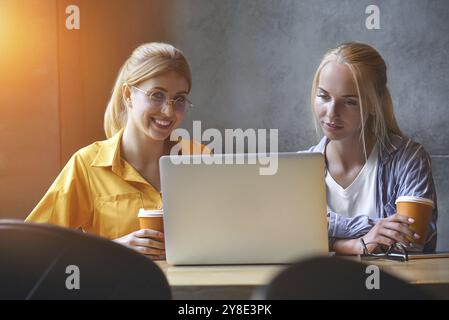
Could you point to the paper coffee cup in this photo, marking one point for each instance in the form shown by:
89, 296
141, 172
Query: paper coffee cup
151, 219
419, 209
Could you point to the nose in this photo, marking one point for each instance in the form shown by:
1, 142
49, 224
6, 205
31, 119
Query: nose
168, 108
331, 109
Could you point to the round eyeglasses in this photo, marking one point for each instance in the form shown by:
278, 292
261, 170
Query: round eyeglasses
397, 251
157, 99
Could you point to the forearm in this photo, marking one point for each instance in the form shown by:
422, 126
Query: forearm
347, 246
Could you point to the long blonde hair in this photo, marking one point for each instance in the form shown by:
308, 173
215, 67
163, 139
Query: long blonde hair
369, 72
147, 61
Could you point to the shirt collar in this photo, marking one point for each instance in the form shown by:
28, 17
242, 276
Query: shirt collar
109, 153
109, 156
386, 151
321, 145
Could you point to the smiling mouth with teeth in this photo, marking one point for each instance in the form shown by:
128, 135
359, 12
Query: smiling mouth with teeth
164, 124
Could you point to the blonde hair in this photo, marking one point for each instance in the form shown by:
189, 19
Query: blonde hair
147, 61
369, 72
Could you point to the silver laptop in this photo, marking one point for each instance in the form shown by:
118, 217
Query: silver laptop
231, 213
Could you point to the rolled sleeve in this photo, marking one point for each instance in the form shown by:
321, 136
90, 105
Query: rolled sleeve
340, 227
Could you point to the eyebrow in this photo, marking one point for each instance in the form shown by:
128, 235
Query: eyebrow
345, 96
165, 90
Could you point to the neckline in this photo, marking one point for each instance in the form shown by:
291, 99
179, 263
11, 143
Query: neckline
372, 160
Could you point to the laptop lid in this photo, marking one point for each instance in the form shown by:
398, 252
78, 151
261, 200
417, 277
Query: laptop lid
232, 214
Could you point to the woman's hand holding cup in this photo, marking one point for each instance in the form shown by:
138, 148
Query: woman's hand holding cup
145, 241
149, 240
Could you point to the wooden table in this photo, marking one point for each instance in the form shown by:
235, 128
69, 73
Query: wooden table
240, 281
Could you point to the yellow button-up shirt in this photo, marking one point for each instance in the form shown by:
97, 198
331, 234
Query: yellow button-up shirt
99, 192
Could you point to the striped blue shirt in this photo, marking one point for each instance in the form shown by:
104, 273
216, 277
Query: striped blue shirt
404, 169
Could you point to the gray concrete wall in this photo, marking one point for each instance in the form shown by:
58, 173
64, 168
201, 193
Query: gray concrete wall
253, 62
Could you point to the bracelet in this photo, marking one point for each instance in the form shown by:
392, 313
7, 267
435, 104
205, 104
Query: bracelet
364, 247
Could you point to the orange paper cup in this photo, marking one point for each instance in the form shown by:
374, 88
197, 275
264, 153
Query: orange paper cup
419, 209
151, 219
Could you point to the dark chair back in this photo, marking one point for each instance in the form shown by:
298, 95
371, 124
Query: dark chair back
40, 261
337, 278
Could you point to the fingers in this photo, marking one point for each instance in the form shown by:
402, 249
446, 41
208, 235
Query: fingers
402, 219
399, 227
385, 241
149, 242
158, 257
400, 223
395, 236
149, 251
149, 233
395, 228
146, 242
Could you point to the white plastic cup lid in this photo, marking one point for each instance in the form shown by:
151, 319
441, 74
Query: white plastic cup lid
150, 213
415, 199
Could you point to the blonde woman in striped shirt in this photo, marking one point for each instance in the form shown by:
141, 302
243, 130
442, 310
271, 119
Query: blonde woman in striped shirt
369, 162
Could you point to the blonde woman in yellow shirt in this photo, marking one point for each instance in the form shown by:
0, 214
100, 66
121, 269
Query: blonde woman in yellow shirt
102, 187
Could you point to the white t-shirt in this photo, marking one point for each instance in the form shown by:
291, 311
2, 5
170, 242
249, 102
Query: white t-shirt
359, 198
